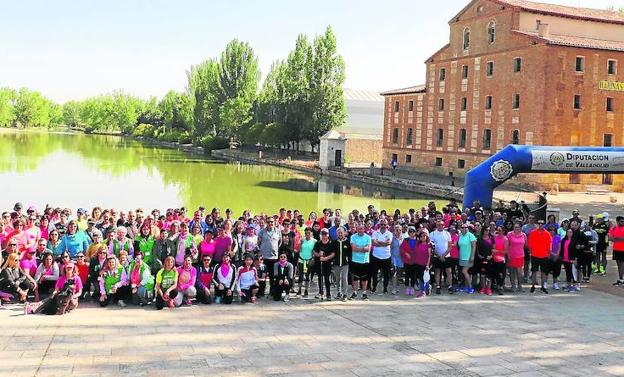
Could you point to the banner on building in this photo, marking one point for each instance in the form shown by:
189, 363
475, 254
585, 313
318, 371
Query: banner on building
577, 161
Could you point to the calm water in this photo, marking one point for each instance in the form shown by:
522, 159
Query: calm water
75, 170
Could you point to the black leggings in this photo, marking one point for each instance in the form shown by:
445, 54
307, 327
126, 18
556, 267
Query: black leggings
270, 263
279, 289
497, 273
323, 270
568, 270
225, 298
555, 268
203, 297
122, 293
385, 265
160, 303
585, 263
414, 274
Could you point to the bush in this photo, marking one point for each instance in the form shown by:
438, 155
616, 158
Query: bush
185, 138
210, 143
144, 130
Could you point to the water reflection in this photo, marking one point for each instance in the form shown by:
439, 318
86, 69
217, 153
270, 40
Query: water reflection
86, 170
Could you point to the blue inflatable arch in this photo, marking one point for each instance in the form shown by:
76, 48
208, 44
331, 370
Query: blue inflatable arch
481, 181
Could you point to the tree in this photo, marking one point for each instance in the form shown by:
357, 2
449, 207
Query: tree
172, 108
204, 93
71, 114
7, 110
151, 113
326, 96
239, 76
32, 109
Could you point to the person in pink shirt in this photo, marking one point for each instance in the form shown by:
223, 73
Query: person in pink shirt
28, 263
187, 275
516, 241
33, 233
207, 246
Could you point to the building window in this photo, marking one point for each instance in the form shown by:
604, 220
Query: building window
396, 106
464, 71
466, 39
515, 137
441, 104
580, 64
462, 138
612, 67
609, 104
410, 106
516, 101
577, 102
440, 137
517, 64
608, 140
438, 161
464, 103
408, 158
395, 136
395, 157
410, 136
491, 31
538, 23
487, 138
488, 102
442, 74
489, 69
461, 164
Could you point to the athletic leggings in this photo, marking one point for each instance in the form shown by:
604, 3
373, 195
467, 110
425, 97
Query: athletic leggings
497, 272
414, 274
305, 269
555, 268
385, 265
160, 303
323, 270
568, 269
585, 263
122, 293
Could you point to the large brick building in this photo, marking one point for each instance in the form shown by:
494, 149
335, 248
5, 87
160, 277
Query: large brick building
514, 71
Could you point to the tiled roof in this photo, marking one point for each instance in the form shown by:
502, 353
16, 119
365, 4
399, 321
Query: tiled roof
409, 90
566, 11
564, 40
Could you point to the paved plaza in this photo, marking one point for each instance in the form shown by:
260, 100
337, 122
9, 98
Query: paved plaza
559, 334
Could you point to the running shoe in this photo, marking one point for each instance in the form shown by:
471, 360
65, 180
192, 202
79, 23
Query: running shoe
499, 292
328, 298
121, 304
438, 290
286, 298
305, 294
619, 282
217, 300
572, 289
488, 291
543, 289
556, 286
253, 300
482, 291
171, 304
343, 298
602, 270
420, 294
532, 289
407, 291
364, 297
319, 296
299, 292
188, 302
353, 296
469, 290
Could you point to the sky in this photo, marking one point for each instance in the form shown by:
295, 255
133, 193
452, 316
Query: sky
70, 49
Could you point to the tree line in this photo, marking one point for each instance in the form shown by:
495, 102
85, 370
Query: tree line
300, 99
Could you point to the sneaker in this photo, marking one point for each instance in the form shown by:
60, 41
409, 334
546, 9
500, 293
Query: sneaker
286, 298
218, 300
121, 304
420, 294
572, 289
488, 291
319, 296
407, 291
353, 296
532, 289
365, 297
556, 286
602, 270
619, 282
394, 292
482, 291
253, 300
27, 309
343, 298
328, 298
469, 290
299, 292
305, 294
499, 292
543, 289
373, 291
385, 292
171, 304
381, 293
188, 302
438, 290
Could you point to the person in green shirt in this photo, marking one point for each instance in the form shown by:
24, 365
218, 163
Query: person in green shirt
140, 279
305, 259
166, 284
113, 283
145, 244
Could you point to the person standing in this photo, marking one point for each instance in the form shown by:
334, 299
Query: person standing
442, 248
616, 235
467, 245
540, 243
359, 267
601, 227
269, 241
342, 249
323, 260
380, 258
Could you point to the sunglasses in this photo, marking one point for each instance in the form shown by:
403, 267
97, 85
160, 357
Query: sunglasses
283, 257
13, 244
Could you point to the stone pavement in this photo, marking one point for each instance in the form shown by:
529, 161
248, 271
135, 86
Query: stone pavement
558, 334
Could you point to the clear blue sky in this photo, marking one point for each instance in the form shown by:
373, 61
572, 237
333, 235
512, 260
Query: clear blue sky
74, 49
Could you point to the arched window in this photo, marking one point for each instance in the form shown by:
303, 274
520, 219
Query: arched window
466, 38
515, 137
491, 32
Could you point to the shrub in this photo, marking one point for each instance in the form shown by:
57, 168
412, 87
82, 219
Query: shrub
210, 143
144, 130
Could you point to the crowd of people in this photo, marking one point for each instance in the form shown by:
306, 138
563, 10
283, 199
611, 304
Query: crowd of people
55, 258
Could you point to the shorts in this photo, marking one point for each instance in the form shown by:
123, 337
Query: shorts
359, 271
516, 262
465, 263
539, 264
397, 262
618, 256
448, 262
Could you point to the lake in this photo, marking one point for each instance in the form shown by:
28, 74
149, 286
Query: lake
77, 170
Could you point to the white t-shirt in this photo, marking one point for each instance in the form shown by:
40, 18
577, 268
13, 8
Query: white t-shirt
382, 252
441, 241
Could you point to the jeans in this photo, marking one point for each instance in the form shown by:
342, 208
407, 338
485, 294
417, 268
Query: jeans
342, 278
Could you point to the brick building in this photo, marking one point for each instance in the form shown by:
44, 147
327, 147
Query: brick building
514, 71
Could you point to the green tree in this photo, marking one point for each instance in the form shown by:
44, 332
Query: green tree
71, 114
172, 108
32, 109
151, 113
326, 96
204, 96
7, 111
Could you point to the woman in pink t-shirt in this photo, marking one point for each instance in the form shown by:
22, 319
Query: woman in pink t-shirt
517, 241
497, 267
